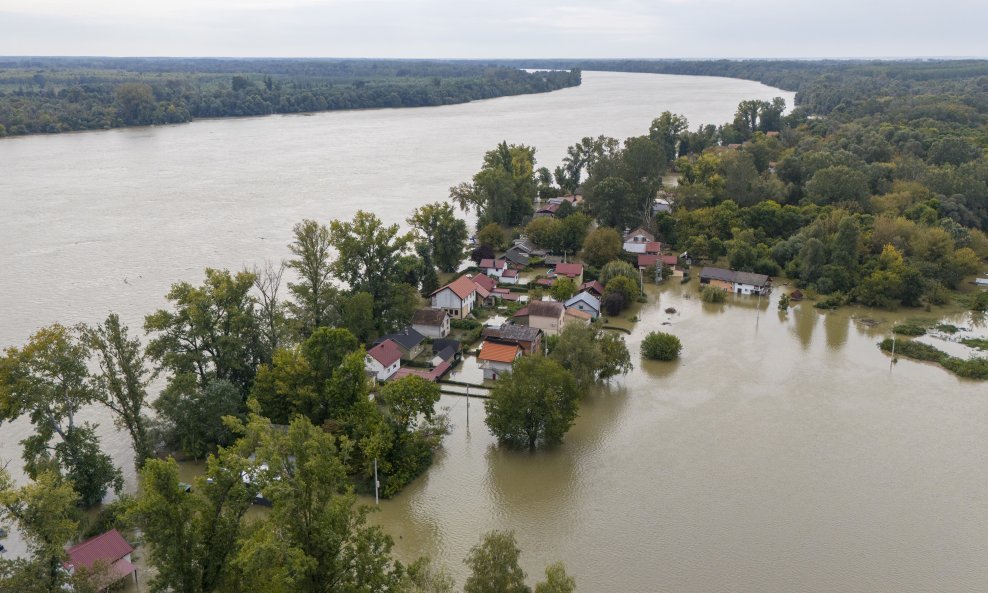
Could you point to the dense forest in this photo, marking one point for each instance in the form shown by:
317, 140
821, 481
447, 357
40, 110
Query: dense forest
873, 190
50, 95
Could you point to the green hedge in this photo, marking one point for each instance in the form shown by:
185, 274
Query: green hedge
971, 368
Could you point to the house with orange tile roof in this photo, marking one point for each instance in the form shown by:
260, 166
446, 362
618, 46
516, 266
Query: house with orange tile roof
457, 298
496, 358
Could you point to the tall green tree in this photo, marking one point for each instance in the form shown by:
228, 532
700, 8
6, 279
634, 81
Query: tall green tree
505, 187
441, 232
44, 512
590, 353
314, 296
370, 260
535, 403
122, 382
190, 416
666, 130
408, 399
192, 536
48, 380
601, 246
613, 203
315, 539
494, 565
211, 331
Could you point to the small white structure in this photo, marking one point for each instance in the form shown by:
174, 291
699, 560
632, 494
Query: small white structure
981, 281
456, 298
383, 361
493, 267
510, 276
640, 241
585, 302
661, 205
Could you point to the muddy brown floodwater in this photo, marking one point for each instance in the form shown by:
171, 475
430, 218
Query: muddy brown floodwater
779, 454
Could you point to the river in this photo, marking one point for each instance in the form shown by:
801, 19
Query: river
781, 453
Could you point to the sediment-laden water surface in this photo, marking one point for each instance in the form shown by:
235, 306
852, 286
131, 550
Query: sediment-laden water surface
781, 453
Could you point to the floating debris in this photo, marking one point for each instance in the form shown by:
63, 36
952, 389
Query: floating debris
869, 322
671, 310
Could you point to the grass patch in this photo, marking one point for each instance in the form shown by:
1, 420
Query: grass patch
948, 328
971, 368
979, 343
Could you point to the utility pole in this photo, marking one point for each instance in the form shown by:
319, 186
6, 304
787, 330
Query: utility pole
892, 360
377, 484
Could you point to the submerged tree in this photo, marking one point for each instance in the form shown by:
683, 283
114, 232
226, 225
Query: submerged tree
122, 383
211, 331
441, 233
44, 512
536, 402
48, 380
314, 296
494, 565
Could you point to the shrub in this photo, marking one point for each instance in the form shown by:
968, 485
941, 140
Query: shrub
970, 368
464, 323
909, 329
831, 301
712, 294
661, 346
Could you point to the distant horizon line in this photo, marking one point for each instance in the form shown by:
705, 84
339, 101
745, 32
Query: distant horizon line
420, 59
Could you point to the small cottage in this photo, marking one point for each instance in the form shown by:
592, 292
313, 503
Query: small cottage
585, 302
571, 271
383, 360
529, 338
547, 316
110, 550
496, 359
431, 323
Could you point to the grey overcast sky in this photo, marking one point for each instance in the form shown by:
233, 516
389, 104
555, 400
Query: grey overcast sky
495, 29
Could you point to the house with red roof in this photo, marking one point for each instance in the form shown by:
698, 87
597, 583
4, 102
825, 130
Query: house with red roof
456, 298
110, 550
510, 276
571, 271
594, 287
383, 360
493, 267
